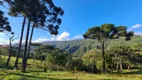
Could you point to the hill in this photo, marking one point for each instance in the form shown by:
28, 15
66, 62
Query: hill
79, 47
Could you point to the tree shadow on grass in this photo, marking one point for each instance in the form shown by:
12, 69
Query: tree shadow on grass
139, 71
28, 77
107, 79
3, 66
60, 79
35, 77
134, 72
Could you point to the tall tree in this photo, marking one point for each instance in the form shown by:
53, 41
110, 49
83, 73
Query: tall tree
24, 63
11, 39
4, 26
103, 33
42, 12
30, 41
20, 43
41, 19
45, 16
16, 10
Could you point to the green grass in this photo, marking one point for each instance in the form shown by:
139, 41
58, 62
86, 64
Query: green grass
56, 75
34, 73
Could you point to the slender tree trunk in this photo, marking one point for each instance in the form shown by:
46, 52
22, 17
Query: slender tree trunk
31, 39
117, 65
121, 68
10, 51
30, 42
0, 56
103, 58
128, 67
24, 63
20, 43
45, 68
92, 68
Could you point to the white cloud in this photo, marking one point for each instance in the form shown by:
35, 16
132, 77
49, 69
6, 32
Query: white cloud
4, 39
41, 40
138, 33
62, 37
78, 37
135, 26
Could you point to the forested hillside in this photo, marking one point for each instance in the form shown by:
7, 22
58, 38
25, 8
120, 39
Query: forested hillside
79, 47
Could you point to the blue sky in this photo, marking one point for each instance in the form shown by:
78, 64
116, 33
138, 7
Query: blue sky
83, 14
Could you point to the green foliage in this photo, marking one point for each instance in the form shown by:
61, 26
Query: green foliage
104, 32
4, 50
107, 31
4, 24
92, 61
122, 30
119, 56
53, 57
77, 64
39, 11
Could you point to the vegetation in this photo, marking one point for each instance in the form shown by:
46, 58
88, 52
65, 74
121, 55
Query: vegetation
7, 73
106, 49
104, 32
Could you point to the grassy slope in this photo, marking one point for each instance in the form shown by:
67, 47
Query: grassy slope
9, 74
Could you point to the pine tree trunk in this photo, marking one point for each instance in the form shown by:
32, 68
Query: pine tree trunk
10, 51
20, 43
24, 63
30, 42
103, 58
31, 39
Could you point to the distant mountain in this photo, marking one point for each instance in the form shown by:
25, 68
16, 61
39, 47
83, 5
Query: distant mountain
79, 47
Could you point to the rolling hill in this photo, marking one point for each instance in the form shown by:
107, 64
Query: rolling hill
79, 47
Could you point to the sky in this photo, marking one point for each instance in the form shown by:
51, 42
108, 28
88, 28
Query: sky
83, 14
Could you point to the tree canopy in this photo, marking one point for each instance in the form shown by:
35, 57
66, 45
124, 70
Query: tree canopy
4, 24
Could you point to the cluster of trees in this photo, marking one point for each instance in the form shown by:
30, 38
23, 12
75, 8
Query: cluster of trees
51, 58
118, 57
42, 14
103, 33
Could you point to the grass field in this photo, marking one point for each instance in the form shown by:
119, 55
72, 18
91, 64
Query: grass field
10, 74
